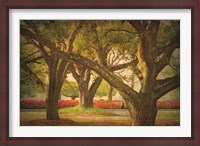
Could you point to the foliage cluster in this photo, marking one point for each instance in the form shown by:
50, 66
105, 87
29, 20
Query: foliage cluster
70, 89
30, 67
29, 88
104, 89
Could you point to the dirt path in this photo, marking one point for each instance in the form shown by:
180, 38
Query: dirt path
121, 112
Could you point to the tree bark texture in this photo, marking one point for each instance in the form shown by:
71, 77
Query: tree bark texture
82, 76
87, 95
145, 114
57, 75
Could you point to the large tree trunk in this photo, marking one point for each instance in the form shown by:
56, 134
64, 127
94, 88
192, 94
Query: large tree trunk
52, 102
53, 96
86, 96
146, 115
88, 102
143, 114
82, 94
57, 76
92, 91
85, 101
52, 107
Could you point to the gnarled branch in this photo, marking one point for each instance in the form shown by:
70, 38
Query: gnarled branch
167, 50
72, 36
74, 73
165, 85
105, 73
33, 76
33, 60
29, 34
137, 25
132, 64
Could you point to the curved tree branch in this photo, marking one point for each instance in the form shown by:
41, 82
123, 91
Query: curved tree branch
132, 64
74, 73
137, 25
33, 60
167, 51
33, 76
105, 73
165, 85
30, 35
95, 85
72, 36
32, 54
113, 79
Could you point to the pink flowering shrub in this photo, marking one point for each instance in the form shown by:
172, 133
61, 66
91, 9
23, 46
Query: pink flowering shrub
31, 104
117, 104
41, 104
168, 104
67, 103
108, 104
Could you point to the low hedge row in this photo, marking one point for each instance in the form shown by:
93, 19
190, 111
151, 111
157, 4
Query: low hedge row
168, 104
41, 104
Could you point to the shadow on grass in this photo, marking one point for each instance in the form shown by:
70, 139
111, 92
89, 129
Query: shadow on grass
68, 122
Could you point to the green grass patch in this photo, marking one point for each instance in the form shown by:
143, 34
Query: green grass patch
173, 114
84, 110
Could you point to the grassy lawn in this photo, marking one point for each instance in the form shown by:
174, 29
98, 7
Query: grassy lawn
77, 116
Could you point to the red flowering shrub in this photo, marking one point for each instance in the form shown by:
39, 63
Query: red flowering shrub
117, 104
41, 104
108, 104
168, 104
30, 103
67, 103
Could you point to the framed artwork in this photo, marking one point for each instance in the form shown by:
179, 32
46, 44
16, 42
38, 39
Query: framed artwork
100, 72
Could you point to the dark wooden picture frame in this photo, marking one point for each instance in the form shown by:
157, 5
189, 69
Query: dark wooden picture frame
103, 4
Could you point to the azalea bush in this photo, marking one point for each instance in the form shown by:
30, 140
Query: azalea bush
117, 104
41, 104
168, 104
31, 104
67, 103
